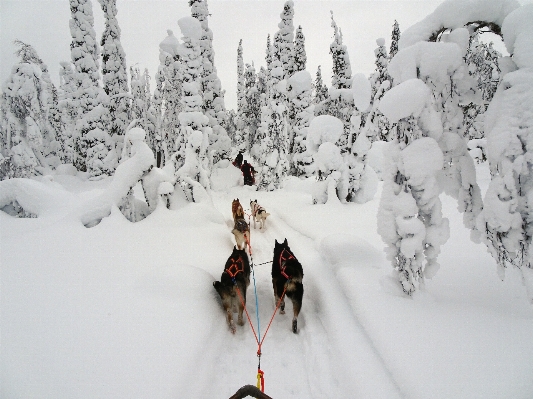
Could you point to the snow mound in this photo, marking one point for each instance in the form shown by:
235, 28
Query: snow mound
346, 249
362, 91
406, 99
324, 129
424, 59
299, 83
517, 32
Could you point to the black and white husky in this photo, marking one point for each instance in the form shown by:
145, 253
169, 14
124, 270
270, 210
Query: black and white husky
232, 286
287, 275
259, 214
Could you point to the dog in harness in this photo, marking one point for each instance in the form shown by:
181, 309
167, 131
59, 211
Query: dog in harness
287, 276
232, 286
241, 229
259, 214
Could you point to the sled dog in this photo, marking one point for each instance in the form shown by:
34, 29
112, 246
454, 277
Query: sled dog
236, 276
236, 210
287, 274
241, 229
259, 214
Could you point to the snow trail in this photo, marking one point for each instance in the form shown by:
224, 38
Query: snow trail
294, 363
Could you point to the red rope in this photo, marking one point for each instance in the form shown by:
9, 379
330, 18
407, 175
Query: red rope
247, 315
272, 318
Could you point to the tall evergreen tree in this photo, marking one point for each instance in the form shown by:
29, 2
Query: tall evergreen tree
238, 138
213, 95
321, 93
171, 92
395, 38
114, 75
92, 143
26, 132
192, 119
342, 70
252, 107
340, 103
284, 39
299, 55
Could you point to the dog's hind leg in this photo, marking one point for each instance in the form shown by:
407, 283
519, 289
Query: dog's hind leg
226, 302
276, 296
296, 298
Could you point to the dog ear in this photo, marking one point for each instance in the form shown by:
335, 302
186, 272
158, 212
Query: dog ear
285, 242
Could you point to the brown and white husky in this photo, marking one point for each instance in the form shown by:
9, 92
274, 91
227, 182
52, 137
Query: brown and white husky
241, 229
232, 286
259, 214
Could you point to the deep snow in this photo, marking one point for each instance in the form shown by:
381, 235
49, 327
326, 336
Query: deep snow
127, 310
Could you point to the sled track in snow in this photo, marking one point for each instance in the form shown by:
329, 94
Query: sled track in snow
328, 351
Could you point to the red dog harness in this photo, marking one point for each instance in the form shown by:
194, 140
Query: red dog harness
234, 269
282, 259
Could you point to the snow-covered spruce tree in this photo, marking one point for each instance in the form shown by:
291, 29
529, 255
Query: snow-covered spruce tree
26, 132
284, 40
441, 66
114, 72
321, 93
213, 95
251, 111
93, 146
299, 88
273, 132
380, 75
327, 163
395, 37
68, 113
410, 219
239, 139
171, 91
358, 182
192, 119
299, 56
482, 61
340, 97
376, 126
506, 220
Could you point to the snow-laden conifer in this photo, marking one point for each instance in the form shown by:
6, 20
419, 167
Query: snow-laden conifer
27, 135
170, 92
284, 40
340, 103
114, 72
505, 223
88, 97
320, 96
193, 122
299, 55
395, 37
213, 95
299, 88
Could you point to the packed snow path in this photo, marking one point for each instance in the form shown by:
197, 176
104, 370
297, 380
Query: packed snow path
331, 356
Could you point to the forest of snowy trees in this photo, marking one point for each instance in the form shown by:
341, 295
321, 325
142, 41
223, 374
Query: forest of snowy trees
440, 100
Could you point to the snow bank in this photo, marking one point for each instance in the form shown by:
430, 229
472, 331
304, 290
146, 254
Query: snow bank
299, 83
362, 92
426, 59
517, 32
127, 174
455, 14
406, 99
324, 129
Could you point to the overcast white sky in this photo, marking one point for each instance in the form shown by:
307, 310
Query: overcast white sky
45, 25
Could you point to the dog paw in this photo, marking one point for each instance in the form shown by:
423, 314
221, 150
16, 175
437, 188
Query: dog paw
295, 326
232, 329
281, 311
240, 322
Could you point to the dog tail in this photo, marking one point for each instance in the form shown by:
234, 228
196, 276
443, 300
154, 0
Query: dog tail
219, 287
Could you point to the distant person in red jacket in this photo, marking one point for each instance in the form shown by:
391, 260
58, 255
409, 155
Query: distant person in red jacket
248, 173
238, 160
